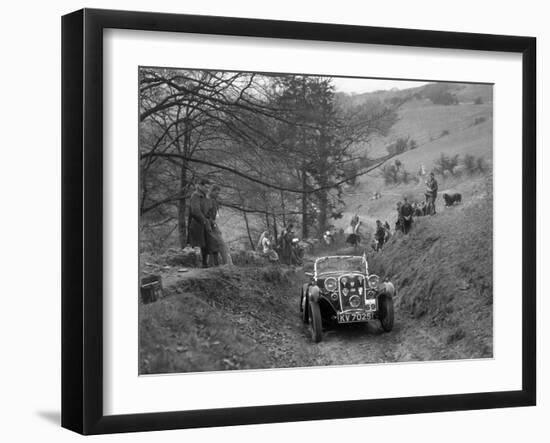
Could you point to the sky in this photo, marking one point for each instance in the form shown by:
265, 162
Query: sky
361, 85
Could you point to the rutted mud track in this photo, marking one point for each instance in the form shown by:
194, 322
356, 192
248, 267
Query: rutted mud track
247, 318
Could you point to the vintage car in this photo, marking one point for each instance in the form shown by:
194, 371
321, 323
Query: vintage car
341, 290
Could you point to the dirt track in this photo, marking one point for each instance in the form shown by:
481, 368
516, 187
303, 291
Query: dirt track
223, 322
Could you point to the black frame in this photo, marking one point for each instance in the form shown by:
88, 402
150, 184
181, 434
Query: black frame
82, 218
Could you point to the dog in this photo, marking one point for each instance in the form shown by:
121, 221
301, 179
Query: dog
451, 199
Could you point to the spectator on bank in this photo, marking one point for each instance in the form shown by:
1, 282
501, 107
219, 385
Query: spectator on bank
199, 226
216, 246
265, 246
407, 216
380, 235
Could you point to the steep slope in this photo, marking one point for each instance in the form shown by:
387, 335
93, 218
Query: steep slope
443, 271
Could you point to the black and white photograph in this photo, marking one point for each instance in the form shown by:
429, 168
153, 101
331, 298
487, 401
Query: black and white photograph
291, 220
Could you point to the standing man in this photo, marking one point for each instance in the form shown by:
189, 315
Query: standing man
286, 246
431, 194
388, 232
354, 237
399, 221
214, 238
380, 235
199, 225
407, 215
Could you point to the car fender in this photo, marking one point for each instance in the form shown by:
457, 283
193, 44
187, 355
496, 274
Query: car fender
313, 294
388, 288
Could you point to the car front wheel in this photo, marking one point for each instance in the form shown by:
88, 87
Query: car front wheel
315, 322
303, 308
386, 312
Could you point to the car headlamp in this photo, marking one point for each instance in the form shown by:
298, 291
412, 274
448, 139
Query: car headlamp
374, 281
331, 284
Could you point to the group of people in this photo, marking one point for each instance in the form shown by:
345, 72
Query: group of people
406, 211
203, 231
382, 233
285, 249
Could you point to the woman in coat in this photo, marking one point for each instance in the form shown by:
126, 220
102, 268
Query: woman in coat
213, 238
198, 224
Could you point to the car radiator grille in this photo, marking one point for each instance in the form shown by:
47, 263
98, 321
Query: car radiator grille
352, 291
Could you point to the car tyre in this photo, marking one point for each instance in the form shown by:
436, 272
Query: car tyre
315, 322
386, 312
304, 308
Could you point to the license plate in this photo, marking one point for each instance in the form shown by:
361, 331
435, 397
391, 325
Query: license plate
353, 317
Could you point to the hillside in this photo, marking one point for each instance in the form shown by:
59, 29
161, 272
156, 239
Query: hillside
460, 129
247, 317
425, 122
444, 271
422, 121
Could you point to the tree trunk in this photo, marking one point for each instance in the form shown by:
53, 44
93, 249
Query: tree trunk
266, 213
323, 216
323, 203
283, 208
275, 233
182, 202
248, 231
304, 207
182, 206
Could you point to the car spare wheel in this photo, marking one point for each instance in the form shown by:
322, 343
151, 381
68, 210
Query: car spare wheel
315, 322
386, 312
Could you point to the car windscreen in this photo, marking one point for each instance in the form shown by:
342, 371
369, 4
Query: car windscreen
341, 264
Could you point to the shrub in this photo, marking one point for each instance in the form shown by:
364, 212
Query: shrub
397, 147
446, 164
444, 133
482, 165
473, 164
404, 177
479, 120
443, 98
440, 93
395, 173
478, 101
469, 163
413, 144
389, 173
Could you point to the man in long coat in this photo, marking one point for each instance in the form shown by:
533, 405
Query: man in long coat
407, 216
431, 193
380, 235
199, 226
